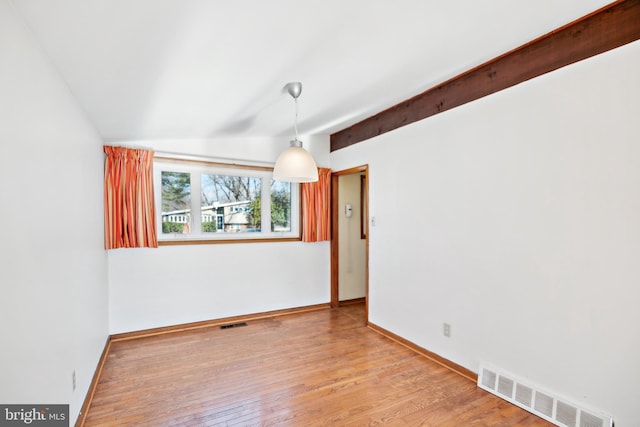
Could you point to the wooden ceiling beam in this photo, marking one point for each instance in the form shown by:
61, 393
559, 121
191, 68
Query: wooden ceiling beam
607, 28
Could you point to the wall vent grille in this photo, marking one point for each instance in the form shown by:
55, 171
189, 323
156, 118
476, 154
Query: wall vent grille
489, 380
505, 386
548, 406
524, 395
544, 404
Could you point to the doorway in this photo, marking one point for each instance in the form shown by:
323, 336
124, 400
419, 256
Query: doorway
350, 237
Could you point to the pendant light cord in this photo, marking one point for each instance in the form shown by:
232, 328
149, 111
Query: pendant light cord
295, 123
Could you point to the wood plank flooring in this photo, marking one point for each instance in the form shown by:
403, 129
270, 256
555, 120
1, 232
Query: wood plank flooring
322, 368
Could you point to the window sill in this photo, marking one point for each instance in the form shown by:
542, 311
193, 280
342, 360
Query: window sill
225, 241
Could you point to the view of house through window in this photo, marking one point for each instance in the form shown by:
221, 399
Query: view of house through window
232, 203
176, 202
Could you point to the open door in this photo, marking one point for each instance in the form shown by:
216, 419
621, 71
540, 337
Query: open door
349, 237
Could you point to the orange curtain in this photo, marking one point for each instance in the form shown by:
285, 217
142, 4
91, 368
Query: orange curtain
316, 208
129, 207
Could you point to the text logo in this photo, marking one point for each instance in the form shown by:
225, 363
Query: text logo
34, 415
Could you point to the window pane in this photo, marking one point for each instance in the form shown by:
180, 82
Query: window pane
176, 202
280, 206
230, 204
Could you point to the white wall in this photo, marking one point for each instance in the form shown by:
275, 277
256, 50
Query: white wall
171, 285
528, 242
53, 278
351, 247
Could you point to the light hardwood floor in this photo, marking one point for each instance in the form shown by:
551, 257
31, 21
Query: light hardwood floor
322, 368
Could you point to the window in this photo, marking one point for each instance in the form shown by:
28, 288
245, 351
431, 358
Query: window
233, 203
176, 202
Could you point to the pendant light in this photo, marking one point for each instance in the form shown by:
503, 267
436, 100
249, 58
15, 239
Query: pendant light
295, 164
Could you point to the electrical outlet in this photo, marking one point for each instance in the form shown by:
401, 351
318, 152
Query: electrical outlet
447, 330
73, 379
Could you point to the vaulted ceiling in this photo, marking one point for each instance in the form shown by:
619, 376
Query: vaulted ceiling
158, 69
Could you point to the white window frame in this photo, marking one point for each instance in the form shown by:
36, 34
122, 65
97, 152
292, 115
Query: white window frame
196, 169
